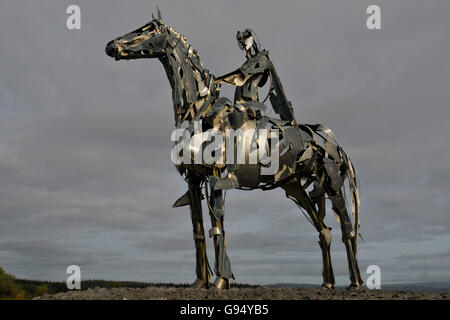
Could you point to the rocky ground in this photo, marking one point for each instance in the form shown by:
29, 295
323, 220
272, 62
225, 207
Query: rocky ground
259, 293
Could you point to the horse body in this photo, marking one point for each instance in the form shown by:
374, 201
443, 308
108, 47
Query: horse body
312, 165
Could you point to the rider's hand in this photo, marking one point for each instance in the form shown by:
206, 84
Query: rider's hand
218, 80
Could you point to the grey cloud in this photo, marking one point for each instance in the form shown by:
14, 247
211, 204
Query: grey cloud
85, 149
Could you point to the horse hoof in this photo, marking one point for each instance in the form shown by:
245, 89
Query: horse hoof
355, 286
327, 286
221, 283
199, 284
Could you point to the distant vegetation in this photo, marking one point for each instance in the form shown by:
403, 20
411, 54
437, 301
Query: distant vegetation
19, 289
9, 290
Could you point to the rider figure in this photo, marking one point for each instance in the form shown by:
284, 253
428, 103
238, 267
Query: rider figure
254, 73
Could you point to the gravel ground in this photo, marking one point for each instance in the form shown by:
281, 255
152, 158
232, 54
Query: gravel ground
259, 293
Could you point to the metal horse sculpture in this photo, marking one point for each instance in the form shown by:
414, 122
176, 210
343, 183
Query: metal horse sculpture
312, 166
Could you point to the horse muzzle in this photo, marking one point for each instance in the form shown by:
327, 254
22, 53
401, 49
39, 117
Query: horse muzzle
112, 50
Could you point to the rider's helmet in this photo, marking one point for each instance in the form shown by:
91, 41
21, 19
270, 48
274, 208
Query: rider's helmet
248, 40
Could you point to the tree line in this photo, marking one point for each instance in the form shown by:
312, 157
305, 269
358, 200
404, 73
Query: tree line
21, 289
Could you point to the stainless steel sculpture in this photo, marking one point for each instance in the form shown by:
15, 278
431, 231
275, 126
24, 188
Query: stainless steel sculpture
312, 165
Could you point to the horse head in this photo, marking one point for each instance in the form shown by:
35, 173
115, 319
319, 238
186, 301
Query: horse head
148, 41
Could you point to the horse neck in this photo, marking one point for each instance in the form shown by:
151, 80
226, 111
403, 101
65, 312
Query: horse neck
191, 83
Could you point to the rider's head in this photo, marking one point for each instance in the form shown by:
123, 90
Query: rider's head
248, 41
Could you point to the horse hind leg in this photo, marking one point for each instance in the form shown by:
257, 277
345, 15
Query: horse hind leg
325, 244
348, 238
300, 196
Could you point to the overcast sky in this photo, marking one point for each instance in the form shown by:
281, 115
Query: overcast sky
85, 171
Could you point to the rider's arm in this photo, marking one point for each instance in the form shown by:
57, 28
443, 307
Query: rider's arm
258, 64
235, 78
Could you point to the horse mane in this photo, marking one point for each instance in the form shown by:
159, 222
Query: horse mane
183, 40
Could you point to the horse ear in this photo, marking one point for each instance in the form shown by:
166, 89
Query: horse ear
159, 13
153, 17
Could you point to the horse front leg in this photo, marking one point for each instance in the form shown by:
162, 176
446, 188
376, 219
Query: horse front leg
222, 265
202, 266
348, 238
